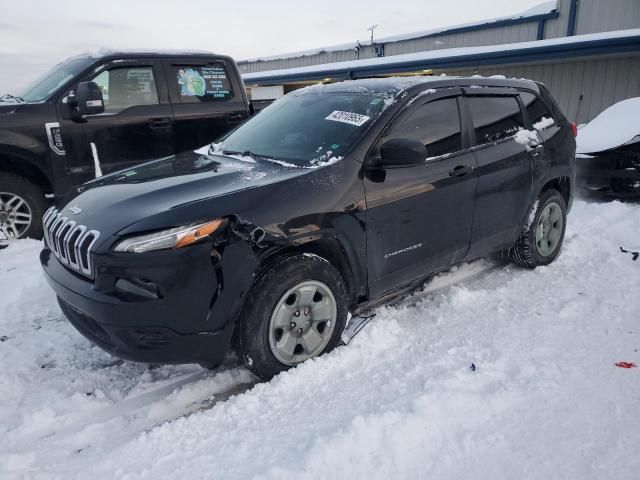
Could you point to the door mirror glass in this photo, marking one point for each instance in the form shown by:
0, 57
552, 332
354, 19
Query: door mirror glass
88, 99
398, 152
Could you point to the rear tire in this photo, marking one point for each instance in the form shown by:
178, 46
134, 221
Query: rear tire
296, 310
22, 205
541, 238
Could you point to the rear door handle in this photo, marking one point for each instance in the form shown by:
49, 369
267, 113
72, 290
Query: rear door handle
234, 117
461, 171
536, 150
160, 122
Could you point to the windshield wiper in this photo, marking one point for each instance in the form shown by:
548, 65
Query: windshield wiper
7, 97
248, 153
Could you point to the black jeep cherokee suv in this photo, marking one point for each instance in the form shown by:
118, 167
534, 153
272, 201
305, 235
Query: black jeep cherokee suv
332, 200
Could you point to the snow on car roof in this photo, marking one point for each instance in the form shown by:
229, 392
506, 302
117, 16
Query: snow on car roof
105, 51
399, 84
616, 126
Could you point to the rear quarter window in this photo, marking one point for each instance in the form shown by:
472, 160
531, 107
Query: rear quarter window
536, 108
201, 83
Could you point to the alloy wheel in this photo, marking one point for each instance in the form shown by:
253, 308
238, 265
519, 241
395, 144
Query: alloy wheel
15, 216
549, 229
302, 322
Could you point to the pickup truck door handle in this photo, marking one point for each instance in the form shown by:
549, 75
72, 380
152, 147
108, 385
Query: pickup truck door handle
234, 117
164, 122
461, 171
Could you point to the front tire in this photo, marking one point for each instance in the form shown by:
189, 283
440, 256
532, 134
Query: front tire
296, 310
541, 239
22, 205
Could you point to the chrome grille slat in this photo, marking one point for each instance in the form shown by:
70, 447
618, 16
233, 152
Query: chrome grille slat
72, 244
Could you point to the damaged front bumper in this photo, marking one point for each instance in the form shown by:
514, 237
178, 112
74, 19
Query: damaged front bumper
171, 306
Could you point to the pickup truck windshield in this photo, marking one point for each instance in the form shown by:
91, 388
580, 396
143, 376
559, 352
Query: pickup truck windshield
42, 88
307, 128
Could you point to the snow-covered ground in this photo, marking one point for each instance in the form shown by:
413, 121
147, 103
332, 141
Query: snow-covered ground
546, 399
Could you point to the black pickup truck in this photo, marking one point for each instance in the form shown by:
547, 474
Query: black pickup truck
94, 114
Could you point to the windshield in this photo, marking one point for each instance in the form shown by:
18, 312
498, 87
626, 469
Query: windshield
307, 128
41, 89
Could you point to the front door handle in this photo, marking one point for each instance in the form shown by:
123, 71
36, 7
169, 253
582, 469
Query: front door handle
159, 122
461, 171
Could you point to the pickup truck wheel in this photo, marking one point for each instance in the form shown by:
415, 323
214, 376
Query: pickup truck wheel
296, 310
541, 239
22, 205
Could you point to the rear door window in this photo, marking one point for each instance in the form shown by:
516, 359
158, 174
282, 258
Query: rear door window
495, 118
436, 124
201, 83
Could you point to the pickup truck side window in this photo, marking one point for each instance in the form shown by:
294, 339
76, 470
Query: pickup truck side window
127, 87
495, 118
436, 124
201, 83
536, 109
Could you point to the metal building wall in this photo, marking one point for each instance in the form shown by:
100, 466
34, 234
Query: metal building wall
521, 32
606, 15
583, 88
557, 27
592, 16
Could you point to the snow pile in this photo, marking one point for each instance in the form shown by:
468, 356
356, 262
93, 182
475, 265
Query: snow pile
616, 126
530, 138
526, 137
545, 399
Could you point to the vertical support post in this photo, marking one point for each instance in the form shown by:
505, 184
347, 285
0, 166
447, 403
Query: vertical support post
541, 29
573, 16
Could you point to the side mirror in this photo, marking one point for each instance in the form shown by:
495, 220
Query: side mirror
88, 99
402, 152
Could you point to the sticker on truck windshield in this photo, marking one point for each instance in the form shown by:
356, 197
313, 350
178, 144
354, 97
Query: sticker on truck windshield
347, 117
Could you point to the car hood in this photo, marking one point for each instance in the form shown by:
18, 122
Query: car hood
183, 183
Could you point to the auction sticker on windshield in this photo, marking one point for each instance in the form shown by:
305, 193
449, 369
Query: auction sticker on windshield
347, 117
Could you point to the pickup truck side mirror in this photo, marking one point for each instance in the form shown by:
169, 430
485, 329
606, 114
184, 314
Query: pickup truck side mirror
402, 152
88, 99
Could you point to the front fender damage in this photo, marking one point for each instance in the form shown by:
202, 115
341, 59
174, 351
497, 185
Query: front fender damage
235, 256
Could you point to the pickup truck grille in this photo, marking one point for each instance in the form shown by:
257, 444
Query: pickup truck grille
71, 243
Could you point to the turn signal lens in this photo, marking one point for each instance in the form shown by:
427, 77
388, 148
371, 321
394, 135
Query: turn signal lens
198, 233
169, 239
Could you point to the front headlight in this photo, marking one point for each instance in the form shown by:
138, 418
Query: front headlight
172, 238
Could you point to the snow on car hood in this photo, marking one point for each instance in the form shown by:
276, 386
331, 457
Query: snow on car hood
616, 126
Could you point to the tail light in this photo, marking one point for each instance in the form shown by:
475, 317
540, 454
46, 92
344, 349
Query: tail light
574, 129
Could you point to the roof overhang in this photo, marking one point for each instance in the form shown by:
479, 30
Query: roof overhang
607, 43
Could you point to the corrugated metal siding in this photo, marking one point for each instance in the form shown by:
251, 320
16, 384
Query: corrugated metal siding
557, 27
583, 89
604, 15
522, 32
494, 36
593, 16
